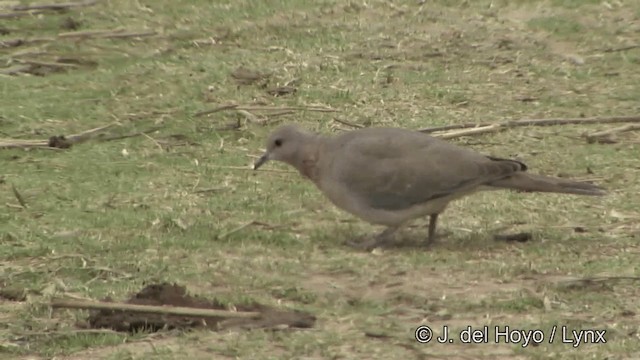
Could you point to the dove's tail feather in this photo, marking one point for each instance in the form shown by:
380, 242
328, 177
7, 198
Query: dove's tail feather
539, 183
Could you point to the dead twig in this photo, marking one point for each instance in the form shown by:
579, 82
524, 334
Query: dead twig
105, 34
150, 309
134, 134
60, 6
36, 9
345, 122
280, 113
234, 230
14, 70
293, 108
624, 48
264, 108
215, 110
251, 169
18, 196
46, 63
538, 122
209, 190
78, 35
9, 43
153, 140
249, 116
600, 280
470, 132
607, 136
16, 14
68, 332
88, 134
61, 142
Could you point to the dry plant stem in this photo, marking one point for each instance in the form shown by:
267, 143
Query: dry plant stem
280, 113
599, 279
470, 132
150, 309
21, 42
126, 136
105, 34
539, 122
348, 123
15, 70
69, 331
624, 48
251, 169
249, 116
92, 34
73, 139
86, 135
298, 108
18, 196
236, 229
60, 6
594, 137
218, 109
36, 9
263, 108
16, 14
45, 63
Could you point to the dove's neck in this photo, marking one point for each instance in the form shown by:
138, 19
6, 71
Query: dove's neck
308, 156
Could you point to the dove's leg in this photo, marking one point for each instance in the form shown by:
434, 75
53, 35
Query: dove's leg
433, 219
381, 239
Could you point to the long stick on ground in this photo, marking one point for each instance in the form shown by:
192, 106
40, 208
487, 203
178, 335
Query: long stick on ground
55, 141
538, 122
605, 135
265, 108
150, 309
59, 6
471, 131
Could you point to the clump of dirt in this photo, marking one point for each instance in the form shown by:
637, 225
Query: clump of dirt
176, 295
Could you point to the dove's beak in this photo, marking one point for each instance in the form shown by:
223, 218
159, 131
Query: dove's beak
263, 159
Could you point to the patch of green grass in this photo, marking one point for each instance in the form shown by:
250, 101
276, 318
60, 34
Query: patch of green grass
558, 25
574, 4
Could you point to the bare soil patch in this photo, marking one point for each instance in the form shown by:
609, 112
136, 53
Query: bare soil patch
176, 295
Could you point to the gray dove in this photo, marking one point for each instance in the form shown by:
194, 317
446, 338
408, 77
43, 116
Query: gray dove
390, 176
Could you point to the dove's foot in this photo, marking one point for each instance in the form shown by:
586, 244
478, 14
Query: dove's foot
368, 244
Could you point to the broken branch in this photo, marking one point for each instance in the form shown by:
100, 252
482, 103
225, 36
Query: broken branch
538, 122
150, 309
264, 108
469, 132
16, 14
60, 6
577, 282
61, 142
606, 136
624, 48
18, 196
348, 123
105, 34
46, 63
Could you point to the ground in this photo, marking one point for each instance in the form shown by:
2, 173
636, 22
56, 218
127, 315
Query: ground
180, 204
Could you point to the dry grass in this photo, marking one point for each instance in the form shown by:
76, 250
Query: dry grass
180, 204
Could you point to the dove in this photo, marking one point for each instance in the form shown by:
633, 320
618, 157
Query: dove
391, 176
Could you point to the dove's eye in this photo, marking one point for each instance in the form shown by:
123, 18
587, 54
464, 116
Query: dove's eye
278, 142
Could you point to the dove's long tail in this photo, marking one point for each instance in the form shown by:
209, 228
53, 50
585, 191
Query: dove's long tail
523, 181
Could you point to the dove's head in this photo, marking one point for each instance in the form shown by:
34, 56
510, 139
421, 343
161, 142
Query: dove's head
286, 144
